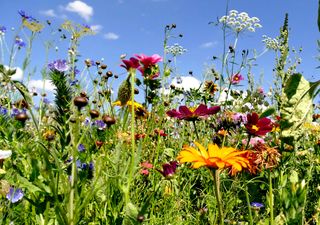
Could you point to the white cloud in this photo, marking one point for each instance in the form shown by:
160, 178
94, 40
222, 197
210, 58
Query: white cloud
41, 85
81, 8
18, 76
111, 36
208, 44
184, 82
49, 13
96, 28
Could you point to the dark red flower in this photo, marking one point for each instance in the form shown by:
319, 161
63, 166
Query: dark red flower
168, 169
256, 126
191, 114
160, 132
131, 63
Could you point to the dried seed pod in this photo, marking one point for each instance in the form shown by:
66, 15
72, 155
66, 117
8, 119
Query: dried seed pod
80, 101
103, 66
109, 120
94, 113
22, 117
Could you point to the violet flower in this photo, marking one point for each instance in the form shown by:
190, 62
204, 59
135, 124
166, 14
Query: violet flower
59, 65
15, 195
168, 169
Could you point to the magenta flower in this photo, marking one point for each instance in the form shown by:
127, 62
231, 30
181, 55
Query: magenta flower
168, 169
236, 78
193, 114
149, 68
256, 126
131, 63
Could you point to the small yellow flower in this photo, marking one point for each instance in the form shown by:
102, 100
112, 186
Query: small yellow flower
215, 157
138, 108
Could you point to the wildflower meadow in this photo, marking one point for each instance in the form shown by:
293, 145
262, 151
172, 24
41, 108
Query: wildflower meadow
137, 143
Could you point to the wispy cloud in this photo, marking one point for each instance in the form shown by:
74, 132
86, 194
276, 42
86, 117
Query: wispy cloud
111, 36
96, 28
81, 8
209, 44
41, 84
49, 13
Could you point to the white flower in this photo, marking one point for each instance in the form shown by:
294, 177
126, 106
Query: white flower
5, 154
251, 29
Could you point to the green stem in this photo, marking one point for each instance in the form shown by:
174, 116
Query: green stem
248, 205
216, 179
195, 129
271, 199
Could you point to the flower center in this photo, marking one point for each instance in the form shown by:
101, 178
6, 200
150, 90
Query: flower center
254, 127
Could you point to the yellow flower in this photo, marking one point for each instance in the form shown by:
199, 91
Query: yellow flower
215, 157
138, 108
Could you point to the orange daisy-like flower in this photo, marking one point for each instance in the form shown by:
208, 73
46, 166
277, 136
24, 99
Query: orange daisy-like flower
215, 157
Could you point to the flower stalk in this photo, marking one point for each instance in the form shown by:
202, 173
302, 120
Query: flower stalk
216, 178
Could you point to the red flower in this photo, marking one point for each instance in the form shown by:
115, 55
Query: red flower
190, 114
256, 126
131, 63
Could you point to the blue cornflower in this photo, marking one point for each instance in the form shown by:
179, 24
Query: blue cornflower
3, 111
91, 166
59, 65
256, 205
100, 124
14, 112
15, 194
24, 15
79, 164
19, 42
81, 148
73, 82
46, 101
3, 30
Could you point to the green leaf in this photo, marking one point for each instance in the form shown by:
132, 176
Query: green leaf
24, 183
268, 112
297, 105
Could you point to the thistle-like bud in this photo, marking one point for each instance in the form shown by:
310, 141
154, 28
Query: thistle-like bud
124, 92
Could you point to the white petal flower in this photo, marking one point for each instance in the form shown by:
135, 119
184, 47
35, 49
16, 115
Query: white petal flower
5, 154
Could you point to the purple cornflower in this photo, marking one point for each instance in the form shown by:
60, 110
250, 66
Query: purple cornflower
100, 124
73, 82
256, 205
3, 30
25, 16
14, 112
19, 42
79, 164
15, 194
91, 166
81, 148
168, 169
59, 65
46, 101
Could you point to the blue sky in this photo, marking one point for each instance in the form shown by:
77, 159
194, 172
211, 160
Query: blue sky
137, 26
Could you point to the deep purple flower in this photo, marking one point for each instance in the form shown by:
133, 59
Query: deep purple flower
81, 148
59, 65
192, 114
14, 112
25, 16
91, 166
256, 205
168, 169
19, 42
3, 30
15, 194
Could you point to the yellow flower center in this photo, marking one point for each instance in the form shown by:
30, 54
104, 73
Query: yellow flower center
192, 109
254, 127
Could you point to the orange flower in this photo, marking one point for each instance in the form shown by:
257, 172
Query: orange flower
215, 157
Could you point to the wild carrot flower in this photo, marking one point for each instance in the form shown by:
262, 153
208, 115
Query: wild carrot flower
193, 114
215, 157
168, 169
15, 195
236, 78
258, 126
5, 154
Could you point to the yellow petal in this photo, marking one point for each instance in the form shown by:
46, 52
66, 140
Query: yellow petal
203, 151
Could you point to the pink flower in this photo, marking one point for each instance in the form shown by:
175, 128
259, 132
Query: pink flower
149, 61
253, 141
236, 78
149, 68
131, 63
193, 114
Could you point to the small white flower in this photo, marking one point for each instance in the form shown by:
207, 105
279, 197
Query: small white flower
5, 154
251, 29
258, 25
255, 19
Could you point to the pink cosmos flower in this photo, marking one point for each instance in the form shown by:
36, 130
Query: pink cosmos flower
131, 63
149, 68
253, 141
193, 114
236, 78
